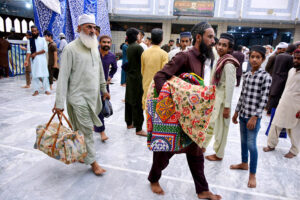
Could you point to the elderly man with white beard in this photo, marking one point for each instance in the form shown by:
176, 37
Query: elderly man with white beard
81, 78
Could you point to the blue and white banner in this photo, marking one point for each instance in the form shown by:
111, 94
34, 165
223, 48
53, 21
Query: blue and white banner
66, 22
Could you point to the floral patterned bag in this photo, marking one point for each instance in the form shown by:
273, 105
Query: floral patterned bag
180, 114
60, 142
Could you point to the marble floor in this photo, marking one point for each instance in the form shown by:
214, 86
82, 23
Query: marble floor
26, 173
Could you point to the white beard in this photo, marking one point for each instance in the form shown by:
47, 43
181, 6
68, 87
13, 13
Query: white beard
88, 41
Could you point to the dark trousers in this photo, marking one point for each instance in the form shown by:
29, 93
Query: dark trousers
4, 71
273, 103
101, 128
50, 74
134, 115
53, 73
195, 162
101, 117
238, 80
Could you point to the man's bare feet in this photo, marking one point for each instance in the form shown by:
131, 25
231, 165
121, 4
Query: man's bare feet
130, 127
141, 133
242, 166
35, 93
209, 195
252, 181
155, 187
103, 136
267, 149
26, 86
213, 157
97, 169
289, 155
123, 85
47, 93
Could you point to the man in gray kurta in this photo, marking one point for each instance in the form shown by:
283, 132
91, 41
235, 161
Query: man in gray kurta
80, 81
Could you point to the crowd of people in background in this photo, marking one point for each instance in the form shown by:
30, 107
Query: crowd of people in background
85, 67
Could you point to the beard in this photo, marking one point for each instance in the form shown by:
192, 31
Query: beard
90, 41
297, 66
35, 36
105, 48
206, 50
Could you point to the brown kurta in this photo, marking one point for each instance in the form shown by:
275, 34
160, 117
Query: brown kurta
188, 61
4, 47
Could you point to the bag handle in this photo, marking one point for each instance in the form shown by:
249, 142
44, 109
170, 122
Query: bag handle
57, 132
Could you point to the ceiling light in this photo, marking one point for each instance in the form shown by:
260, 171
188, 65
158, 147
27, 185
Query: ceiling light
27, 5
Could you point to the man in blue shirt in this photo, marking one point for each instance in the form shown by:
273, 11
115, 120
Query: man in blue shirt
108, 59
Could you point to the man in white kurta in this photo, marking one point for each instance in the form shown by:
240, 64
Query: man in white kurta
219, 122
38, 59
288, 112
81, 78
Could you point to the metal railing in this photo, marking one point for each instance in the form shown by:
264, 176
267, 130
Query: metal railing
16, 57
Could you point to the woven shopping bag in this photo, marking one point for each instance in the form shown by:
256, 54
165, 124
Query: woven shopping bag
60, 142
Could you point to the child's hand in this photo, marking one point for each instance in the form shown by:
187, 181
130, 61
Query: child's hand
251, 123
234, 118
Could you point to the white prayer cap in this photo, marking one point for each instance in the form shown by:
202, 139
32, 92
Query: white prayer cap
86, 19
282, 45
62, 35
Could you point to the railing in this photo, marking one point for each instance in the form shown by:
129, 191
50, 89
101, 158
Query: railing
16, 57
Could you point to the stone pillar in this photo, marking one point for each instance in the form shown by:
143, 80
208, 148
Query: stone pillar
166, 27
297, 33
222, 28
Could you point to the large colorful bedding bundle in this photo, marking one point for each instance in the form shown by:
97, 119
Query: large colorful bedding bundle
179, 114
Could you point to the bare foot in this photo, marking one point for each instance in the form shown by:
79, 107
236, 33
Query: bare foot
47, 93
141, 133
155, 187
209, 195
35, 93
123, 85
81, 161
123, 100
242, 166
26, 86
267, 149
103, 136
203, 150
252, 181
97, 169
289, 155
213, 157
130, 127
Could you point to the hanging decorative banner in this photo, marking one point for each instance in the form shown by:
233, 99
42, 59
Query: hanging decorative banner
200, 8
54, 5
66, 22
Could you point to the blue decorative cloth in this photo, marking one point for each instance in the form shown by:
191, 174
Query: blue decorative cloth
67, 21
283, 133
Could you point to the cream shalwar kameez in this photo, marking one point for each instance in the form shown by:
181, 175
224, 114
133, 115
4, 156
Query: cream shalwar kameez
219, 126
285, 116
80, 80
